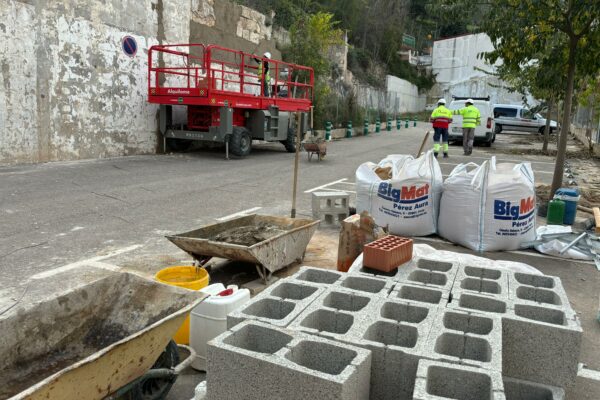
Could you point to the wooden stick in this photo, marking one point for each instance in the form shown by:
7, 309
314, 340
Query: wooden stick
596, 211
423, 144
586, 209
295, 186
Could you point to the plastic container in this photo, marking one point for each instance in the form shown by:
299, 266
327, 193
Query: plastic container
188, 277
209, 318
556, 212
571, 198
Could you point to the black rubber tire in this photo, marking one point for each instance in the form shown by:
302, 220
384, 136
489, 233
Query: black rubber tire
494, 138
487, 143
498, 129
178, 144
240, 143
155, 388
290, 142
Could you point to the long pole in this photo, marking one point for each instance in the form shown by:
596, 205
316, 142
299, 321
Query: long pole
295, 187
423, 143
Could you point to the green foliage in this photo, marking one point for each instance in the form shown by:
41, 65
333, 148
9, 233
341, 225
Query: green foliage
311, 38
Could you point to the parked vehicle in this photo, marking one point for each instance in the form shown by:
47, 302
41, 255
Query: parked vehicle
485, 132
510, 117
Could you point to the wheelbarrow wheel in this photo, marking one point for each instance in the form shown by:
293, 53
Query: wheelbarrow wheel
158, 388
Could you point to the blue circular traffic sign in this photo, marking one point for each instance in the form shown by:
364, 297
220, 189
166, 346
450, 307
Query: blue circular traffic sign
129, 45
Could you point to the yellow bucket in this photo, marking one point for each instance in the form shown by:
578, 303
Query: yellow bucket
188, 277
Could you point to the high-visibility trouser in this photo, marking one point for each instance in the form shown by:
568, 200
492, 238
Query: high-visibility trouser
440, 133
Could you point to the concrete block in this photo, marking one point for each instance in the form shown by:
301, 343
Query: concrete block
467, 339
366, 284
542, 334
331, 207
258, 361
357, 268
318, 276
396, 333
483, 281
438, 380
428, 272
541, 343
421, 294
538, 289
467, 301
335, 312
279, 304
516, 389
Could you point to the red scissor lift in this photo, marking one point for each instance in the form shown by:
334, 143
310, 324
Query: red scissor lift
224, 96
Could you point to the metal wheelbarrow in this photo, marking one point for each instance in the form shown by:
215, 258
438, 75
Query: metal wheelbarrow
97, 340
270, 243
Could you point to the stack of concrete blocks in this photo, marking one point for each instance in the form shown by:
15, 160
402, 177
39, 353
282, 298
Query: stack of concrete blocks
433, 330
331, 207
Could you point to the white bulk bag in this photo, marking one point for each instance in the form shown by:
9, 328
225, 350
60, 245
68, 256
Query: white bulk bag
408, 203
490, 207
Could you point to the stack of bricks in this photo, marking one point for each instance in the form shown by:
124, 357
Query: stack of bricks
429, 330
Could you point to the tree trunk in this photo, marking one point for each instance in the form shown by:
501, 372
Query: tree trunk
547, 128
559, 165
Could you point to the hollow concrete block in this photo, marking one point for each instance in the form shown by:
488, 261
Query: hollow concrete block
420, 294
257, 361
370, 285
467, 339
279, 304
396, 334
437, 380
483, 281
541, 343
517, 389
429, 272
317, 276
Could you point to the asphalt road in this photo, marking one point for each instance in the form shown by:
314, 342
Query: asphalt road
59, 213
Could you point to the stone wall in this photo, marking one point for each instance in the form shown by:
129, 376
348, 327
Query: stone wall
68, 91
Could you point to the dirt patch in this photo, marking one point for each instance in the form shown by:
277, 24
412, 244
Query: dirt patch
248, 235
590, 197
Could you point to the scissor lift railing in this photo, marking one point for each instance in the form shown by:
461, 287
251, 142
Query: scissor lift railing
194, 74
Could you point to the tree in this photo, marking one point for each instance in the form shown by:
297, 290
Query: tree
522, 30
312, 37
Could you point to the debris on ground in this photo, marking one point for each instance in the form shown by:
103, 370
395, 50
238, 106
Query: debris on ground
248, 235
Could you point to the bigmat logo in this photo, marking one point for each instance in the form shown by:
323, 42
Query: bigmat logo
406, 194
506, 211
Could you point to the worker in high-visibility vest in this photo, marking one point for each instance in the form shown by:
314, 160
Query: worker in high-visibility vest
264, 76
440, 117
471, 119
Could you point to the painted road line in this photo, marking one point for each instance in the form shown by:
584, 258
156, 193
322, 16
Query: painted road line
347, 183
90, 261
324, 186
588, 373
239, 214
340, 190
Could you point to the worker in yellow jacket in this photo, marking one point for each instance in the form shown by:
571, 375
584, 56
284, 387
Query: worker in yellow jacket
440, 117
471, 119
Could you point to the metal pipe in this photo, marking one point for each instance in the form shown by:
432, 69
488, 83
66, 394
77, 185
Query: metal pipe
567, 247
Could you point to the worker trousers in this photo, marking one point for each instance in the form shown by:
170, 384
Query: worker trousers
440, 133
468, 139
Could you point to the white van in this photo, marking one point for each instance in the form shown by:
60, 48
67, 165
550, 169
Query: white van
484, 133
509, 117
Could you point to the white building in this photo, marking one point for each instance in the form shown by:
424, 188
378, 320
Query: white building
460, 70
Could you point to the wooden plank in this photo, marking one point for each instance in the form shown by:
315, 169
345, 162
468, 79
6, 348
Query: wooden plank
597, 218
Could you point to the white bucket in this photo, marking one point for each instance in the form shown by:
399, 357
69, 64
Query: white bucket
209, 319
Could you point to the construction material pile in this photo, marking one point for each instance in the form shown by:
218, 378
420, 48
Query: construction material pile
439, 327
487, 207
